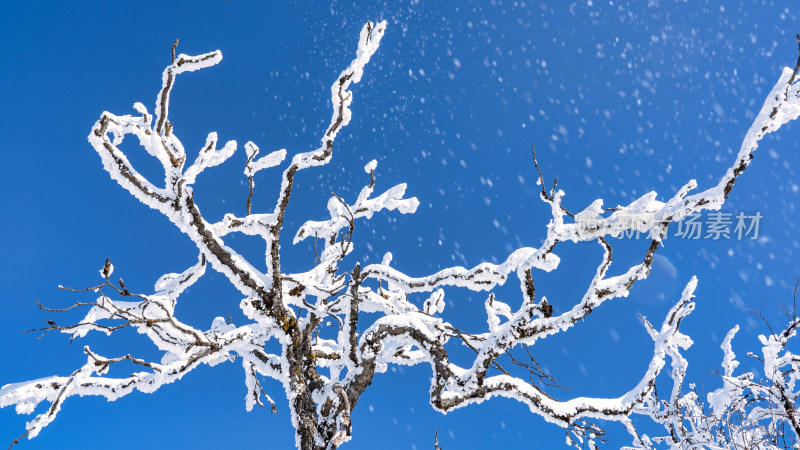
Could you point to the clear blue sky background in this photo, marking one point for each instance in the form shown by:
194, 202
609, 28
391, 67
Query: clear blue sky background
620, 98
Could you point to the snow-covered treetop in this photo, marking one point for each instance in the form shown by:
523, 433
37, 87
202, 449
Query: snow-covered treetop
324, 377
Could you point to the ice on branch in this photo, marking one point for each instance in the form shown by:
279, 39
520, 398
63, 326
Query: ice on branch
265, 162
209, 156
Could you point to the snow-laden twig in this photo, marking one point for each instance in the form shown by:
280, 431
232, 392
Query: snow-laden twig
746, 412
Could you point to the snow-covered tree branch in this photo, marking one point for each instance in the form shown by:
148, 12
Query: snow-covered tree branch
383, 316
749, 410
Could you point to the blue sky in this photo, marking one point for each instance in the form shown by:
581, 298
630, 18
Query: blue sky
620, 98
